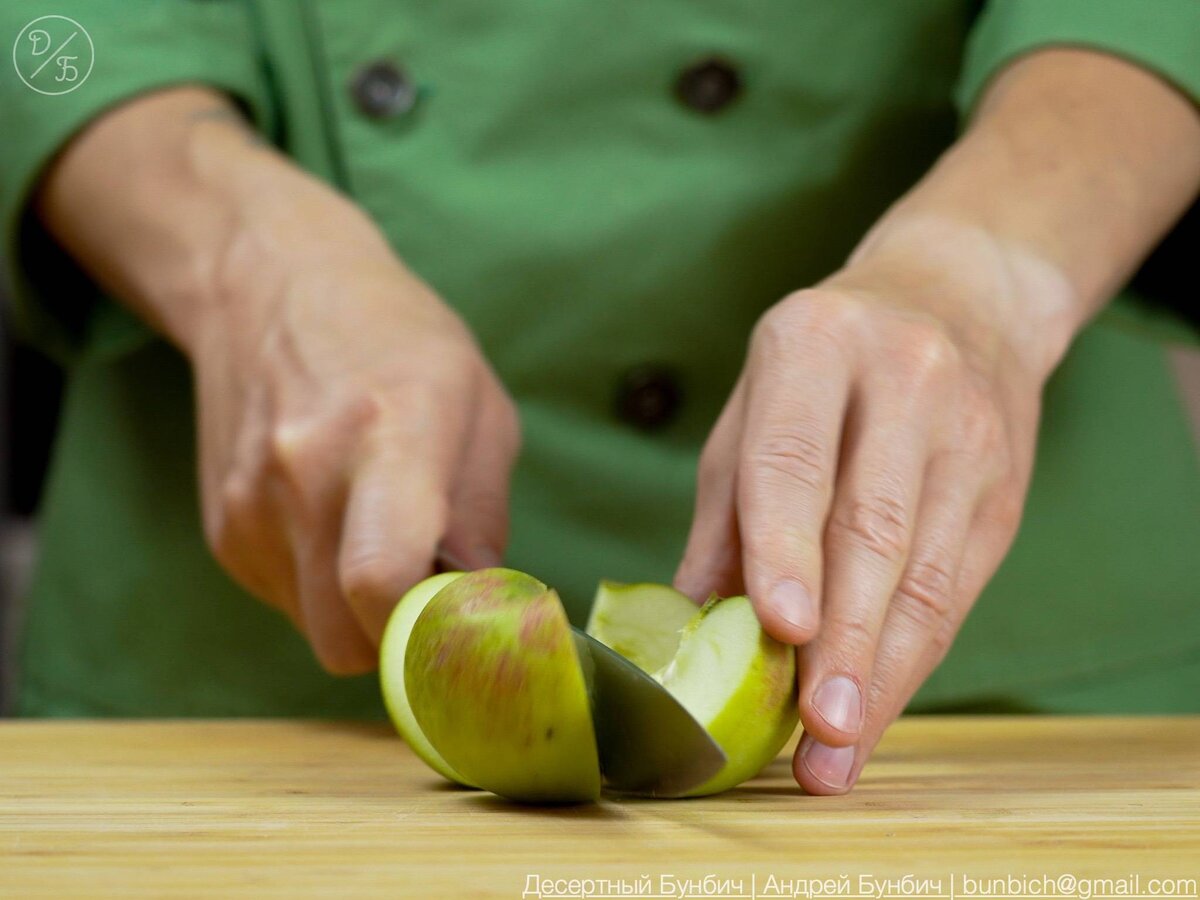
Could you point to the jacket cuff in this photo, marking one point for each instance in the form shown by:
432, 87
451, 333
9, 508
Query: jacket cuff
1162, 37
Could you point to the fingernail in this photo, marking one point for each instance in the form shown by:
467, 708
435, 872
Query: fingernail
839, 702
829, 765
794, 604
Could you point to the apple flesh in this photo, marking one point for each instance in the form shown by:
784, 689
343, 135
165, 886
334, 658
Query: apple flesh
735, 680
495, 684
642, 622
392, 653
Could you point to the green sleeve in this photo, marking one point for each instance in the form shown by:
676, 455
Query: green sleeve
138, 46
1162, 36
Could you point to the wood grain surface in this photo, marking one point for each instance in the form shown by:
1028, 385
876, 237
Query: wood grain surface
256, 808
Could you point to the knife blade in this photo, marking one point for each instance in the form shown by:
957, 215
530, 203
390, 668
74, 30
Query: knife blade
648, 743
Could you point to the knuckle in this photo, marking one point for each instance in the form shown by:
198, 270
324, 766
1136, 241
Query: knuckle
372, 576
343, 656
850, 634
289, 447
941, 638
489, 507
926, 592
876, 522
819, 318
796, 456
235, 497
365, 408
927, 352
774, 329
233, 502
1004, 508
980, 424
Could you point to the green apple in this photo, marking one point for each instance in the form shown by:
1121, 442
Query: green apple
392, 651
496, 685
481, 676
735, 680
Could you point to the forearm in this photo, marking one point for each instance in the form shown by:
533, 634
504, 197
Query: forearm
1075, 165
174, 205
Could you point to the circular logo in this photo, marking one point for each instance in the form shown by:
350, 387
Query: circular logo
54, 55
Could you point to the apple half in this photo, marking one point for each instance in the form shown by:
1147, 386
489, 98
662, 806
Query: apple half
495, 684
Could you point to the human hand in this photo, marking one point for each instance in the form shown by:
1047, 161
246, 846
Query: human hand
866, 478
867, 474
350, 431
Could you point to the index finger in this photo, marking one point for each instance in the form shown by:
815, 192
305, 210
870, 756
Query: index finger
798, 393
395, 515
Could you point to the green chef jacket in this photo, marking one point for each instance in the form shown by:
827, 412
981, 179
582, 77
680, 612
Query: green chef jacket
610, 193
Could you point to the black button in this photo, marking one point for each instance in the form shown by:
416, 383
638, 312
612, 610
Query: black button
648, 397
709, 85
383, 90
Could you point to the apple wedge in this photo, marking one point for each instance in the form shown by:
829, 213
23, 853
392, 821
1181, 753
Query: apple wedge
392, 651
496, 685
735, 680
642, 622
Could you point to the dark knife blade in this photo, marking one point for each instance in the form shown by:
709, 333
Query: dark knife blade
648, 743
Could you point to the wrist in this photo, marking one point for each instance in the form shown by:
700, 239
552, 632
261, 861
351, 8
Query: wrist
996, 298
278, 228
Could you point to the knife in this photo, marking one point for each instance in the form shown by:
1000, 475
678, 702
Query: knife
647, 742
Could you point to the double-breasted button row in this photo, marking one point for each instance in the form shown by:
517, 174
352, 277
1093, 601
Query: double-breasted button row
647, 397
384, 90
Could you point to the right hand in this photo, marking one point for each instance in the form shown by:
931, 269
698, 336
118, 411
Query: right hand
350, 431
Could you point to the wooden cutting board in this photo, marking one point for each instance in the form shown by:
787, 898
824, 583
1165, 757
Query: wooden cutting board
255, 808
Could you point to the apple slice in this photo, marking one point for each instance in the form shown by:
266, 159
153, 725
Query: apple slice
642, 622
735, 680
739, 683
495, 683
392, 651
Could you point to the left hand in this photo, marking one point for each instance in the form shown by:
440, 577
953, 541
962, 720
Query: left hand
866, 478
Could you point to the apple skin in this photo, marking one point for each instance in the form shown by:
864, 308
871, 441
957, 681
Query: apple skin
495, 684
392, 652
